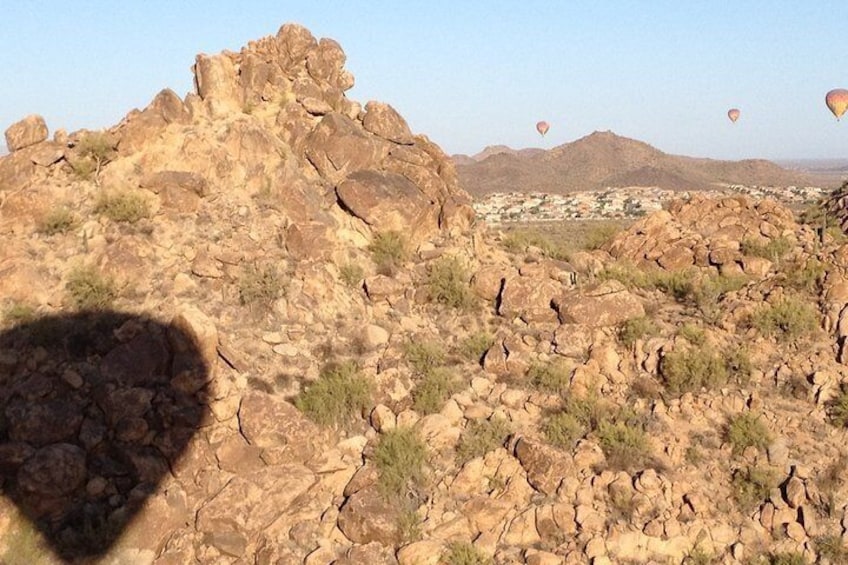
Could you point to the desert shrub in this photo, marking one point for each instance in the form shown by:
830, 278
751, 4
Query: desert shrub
24, 543
599, 234
424, 356
625, 446
635, 329
409, 526
400, 457
475, 346
687, 370
447, 283
692, 333
831, 547
93, 151
562, 429
125, 206
837, 409
388, 250
553, 377
518, 241
807, 277
434, 389
751, 486
779, 558
351, 274
699, 556
337, 398
738, 363
90, 290
788, 319
773, 250
708, 292
464, 553
58, 220
18, 313
481, 437
747, 430
260, 286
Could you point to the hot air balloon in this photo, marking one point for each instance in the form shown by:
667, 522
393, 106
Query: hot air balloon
733, 114
542, 127
837, 101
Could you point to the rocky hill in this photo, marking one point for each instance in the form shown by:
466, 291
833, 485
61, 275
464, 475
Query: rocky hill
255, 325
603, 159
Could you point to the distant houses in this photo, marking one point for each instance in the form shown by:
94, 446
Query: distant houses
612, 203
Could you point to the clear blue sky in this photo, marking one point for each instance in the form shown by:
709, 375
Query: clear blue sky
471, 74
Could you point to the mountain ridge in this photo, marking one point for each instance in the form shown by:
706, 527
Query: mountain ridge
605, 159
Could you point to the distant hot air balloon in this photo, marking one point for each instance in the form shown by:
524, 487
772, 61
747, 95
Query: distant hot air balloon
733, 114
542, 127
837, 101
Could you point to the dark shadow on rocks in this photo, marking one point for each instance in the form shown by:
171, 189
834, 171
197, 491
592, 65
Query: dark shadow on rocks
95, 409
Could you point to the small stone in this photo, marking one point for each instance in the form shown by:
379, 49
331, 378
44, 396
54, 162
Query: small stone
382, 418
72, 378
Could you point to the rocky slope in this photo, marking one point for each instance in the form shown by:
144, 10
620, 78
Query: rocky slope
603, 159
256, 326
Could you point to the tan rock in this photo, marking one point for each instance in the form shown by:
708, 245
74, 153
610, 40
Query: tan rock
367, 517
607, 304
424, 552
383, 121
26, 132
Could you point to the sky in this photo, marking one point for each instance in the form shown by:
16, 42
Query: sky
469, 74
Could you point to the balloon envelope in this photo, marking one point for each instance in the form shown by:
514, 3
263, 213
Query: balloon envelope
837, 101
733, 114
542, 127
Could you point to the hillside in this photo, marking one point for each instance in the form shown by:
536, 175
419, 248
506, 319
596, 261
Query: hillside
257, 324
603, 159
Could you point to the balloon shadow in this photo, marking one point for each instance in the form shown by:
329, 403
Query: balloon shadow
95, 409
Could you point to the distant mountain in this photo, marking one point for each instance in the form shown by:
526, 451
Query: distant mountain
604, 159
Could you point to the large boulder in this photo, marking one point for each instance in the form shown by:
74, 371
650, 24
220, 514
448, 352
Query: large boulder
607, 304
388, 202
28, 131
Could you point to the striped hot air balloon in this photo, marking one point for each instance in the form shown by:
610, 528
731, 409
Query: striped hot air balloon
543, 127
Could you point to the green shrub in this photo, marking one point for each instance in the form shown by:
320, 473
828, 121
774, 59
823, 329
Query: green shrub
832, 548
475, 346
807, 277
788, 319
400, 458
447, 283
738, 363
464, 553
693, 334
24, 543
518, 241
599, 234
699, 556
126, 207
337, 398
553, 377
90, 290
57, 220
751, 486
747, 430
351, 274
481, 437
93, 151
625, 446
434, 389
687, 370
563, 429
409, 526
635, 329
259, 286
773, 250
424, 356
388, 250
837, 409
18, 313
